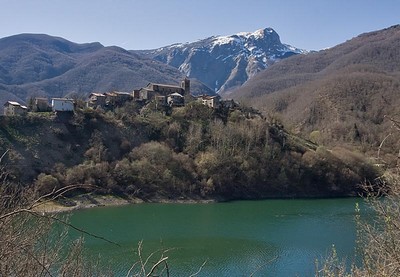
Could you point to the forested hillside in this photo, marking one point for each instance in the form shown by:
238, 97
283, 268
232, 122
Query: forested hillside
195, 153
345, 94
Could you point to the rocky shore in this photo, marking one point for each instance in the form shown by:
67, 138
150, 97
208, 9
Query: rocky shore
86, 201
83, 201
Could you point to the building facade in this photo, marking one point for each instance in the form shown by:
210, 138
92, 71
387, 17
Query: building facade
62, 105
210, 101
154, 89
12, 108
96, 100
175, 100
41, 105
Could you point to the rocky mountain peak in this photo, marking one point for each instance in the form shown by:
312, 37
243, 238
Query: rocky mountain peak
267, 34
225, 62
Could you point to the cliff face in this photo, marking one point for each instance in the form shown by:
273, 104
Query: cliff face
225, 62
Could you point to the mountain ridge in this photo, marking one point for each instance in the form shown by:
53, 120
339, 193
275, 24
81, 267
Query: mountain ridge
43, 65
224, 62
344, 92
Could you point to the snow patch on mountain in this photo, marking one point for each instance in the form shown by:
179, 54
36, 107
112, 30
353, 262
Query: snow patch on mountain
224, 62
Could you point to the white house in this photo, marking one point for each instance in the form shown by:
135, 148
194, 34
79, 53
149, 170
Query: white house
210, 101
62, 105
176, 99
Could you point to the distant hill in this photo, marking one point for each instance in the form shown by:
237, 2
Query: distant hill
341, 94
42, 65
225, 62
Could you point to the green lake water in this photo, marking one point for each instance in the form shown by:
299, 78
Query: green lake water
268, 238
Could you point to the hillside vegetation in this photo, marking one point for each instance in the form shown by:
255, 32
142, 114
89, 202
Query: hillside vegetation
195, 153
344, 94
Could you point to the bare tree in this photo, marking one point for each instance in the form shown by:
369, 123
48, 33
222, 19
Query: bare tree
30, 245
378, 236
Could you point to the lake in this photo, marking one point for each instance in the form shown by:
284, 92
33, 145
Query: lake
267, 238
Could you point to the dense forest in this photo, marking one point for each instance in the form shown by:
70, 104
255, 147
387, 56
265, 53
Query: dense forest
192, 152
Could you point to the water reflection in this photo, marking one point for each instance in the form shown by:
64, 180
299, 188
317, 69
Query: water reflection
270, 238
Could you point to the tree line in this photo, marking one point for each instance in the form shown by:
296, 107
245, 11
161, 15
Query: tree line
194, 152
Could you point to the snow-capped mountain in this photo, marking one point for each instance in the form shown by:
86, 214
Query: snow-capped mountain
225, 62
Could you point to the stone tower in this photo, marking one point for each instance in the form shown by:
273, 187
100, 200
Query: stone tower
185, 84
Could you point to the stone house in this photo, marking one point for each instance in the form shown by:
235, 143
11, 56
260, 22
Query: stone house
229, 103
145, 94
12, 108
41, 105
96, 100
210, 101
172, 100
123, 97
175, 100
117, 98
136, 94
164, 89
153, 89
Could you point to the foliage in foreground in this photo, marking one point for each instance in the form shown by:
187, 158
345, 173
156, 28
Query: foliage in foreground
378, 238
35, 244
30, 244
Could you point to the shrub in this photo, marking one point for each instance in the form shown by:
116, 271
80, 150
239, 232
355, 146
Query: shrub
46, 184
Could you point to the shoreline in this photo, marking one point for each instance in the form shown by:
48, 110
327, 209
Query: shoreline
88, 201
84, 201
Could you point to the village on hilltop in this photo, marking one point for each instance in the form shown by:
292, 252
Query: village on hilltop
162, 94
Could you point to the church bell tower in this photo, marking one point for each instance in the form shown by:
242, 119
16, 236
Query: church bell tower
185, 84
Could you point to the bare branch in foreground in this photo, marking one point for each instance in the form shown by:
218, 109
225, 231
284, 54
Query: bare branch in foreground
263, 265
200, 269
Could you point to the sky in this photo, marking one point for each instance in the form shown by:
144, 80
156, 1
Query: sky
149, 24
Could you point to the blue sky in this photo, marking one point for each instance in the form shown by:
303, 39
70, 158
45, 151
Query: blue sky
146, 24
